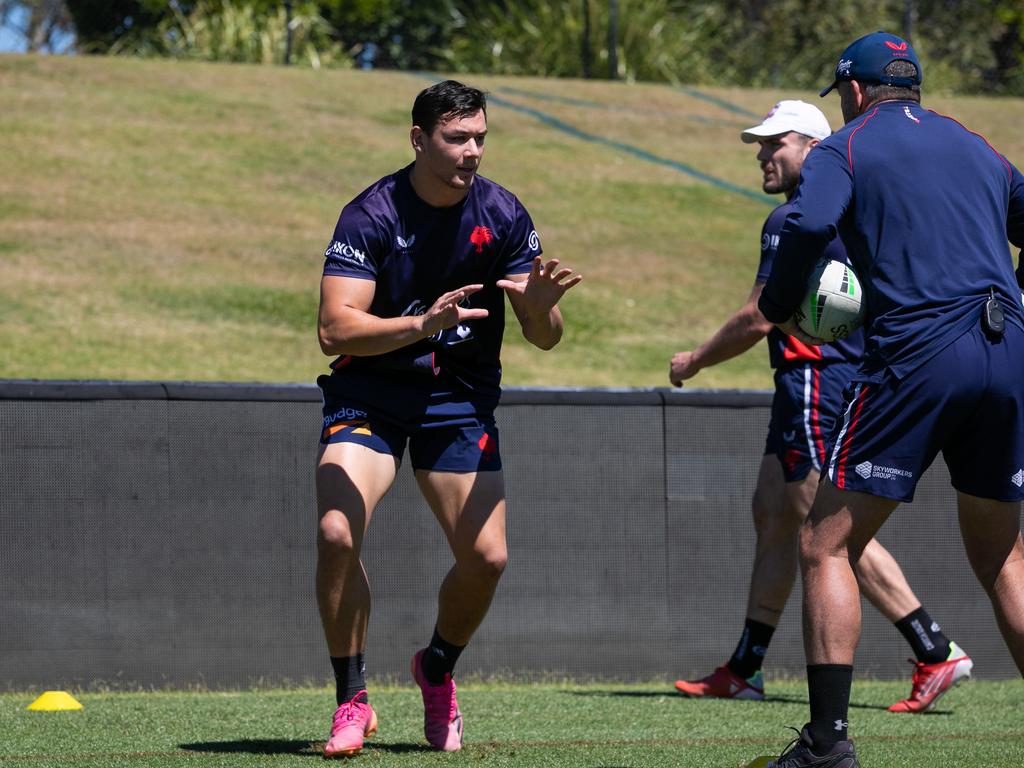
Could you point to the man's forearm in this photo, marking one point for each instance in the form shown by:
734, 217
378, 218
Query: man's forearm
353, 332
543, 331
740, 332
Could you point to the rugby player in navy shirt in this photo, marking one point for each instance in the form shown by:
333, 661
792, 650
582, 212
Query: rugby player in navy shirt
809, 382
925, 208
412, 306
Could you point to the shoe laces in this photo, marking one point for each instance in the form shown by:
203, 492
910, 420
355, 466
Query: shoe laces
350, 710
922, 674
440, 699
791, 748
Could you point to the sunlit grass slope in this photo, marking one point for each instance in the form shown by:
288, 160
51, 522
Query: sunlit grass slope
164, 220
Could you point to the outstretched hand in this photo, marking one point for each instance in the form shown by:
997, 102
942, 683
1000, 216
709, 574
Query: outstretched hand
543, 287
446, 312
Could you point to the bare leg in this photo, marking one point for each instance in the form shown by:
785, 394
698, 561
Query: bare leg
839, 527
882, 582
350, 481
992, 538
779, 508
471, 510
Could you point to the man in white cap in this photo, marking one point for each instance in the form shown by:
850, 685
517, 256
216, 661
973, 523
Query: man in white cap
809, 383
926, 209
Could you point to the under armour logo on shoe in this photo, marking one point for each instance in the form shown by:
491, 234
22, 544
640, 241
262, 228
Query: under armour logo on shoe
841, 725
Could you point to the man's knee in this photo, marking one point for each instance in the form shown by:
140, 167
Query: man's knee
334, 536
813, 548
774, 517
486, 565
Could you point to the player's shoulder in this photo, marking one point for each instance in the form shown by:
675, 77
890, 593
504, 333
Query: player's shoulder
959, 130
777, 217
382, 193
378, 205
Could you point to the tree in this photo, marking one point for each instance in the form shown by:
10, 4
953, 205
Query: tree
100, 23
45, 25
407, 34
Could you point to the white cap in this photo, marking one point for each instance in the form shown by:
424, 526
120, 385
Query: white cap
790, 115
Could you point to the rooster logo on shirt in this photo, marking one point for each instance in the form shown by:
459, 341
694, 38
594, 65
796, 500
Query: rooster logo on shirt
480, 237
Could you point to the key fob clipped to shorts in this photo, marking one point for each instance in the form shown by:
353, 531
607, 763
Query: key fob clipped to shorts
992, 318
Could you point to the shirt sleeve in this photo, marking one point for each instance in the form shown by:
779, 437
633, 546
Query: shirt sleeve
821, 200
770, 234
356, 248
523, 243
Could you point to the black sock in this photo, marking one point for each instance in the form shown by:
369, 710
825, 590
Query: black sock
829, 688
349, 676
439, 658
925, 637
749, 654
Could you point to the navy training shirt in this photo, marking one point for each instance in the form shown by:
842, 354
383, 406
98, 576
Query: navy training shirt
785, 351
924, 208
414, 252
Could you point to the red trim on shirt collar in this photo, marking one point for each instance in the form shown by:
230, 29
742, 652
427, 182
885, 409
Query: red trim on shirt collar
849, 142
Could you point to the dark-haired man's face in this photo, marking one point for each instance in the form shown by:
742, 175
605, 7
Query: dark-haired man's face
451, 153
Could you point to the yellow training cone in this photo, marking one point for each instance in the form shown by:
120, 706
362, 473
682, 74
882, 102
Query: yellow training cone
54, 701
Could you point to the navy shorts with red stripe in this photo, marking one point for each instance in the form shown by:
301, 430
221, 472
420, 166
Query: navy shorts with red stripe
967, 402
807, 403
445, 428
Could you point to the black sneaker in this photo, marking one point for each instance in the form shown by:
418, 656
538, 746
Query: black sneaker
800, 754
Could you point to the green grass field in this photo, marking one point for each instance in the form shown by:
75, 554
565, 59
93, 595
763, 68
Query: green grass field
166, 220
597, 726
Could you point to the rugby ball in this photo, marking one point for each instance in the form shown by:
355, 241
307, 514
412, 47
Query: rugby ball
833, 307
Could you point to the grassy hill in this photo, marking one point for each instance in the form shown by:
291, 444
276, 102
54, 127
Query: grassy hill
163, 220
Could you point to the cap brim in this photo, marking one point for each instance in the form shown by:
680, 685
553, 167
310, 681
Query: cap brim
758, 132
827, 90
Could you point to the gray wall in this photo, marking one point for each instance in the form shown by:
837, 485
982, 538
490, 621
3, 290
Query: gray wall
163, 534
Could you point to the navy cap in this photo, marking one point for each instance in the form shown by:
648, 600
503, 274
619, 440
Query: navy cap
865, 60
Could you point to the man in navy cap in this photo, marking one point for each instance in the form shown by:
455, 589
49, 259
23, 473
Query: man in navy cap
809, 382
925, 208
